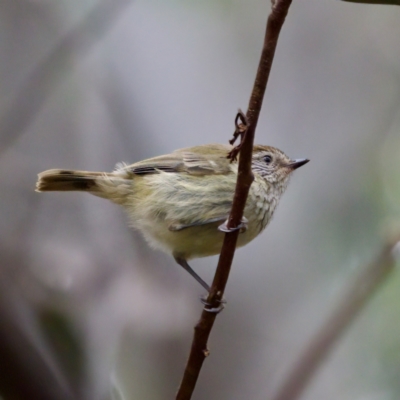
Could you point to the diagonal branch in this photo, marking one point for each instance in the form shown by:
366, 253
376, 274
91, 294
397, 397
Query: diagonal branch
352, 302
245, 178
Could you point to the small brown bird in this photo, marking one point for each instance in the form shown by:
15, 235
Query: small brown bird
179, 200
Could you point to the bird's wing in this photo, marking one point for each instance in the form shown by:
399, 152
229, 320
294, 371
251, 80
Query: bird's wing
199, 160
179, 226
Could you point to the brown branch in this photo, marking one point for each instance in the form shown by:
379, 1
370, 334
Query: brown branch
245, 178
352, 302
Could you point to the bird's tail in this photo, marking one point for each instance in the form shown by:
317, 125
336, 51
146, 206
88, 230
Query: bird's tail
67, 180
115, 186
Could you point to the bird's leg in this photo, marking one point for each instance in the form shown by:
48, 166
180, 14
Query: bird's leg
242, 226
183, 263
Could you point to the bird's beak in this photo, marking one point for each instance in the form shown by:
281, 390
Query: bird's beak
298, 163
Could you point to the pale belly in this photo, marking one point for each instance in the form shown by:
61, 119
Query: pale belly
198, 241
177, 200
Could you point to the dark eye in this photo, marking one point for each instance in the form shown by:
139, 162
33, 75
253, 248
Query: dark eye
267, 159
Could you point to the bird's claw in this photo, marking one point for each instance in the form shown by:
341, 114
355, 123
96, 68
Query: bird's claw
242, 227
211, 309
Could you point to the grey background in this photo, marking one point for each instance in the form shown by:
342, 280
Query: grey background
83, 92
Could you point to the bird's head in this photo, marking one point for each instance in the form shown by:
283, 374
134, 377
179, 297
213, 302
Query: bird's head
274, 165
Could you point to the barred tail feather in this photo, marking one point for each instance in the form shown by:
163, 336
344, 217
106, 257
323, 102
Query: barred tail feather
66, 180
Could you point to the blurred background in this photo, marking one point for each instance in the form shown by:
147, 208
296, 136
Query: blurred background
87, 308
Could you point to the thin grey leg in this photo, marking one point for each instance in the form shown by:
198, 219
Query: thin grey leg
183, 263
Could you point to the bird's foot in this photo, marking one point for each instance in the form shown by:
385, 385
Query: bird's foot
209, 308
242, 227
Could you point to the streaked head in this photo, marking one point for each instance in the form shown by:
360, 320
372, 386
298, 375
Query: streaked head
273, 164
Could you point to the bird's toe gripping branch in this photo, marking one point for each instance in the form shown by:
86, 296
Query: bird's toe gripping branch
209, 307
242, 227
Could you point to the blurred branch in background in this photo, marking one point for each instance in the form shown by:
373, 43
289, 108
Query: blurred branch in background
202, 330
28, 369
32, 364
51, 70
358, 293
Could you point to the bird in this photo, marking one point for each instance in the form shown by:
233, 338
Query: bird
181, 201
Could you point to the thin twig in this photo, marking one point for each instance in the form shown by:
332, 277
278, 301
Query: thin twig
352, 302
245, 178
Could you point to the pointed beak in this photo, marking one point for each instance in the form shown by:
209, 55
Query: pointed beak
298, 163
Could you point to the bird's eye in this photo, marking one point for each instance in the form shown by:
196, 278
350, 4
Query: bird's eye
267, 159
